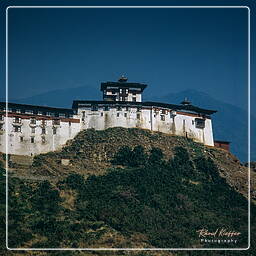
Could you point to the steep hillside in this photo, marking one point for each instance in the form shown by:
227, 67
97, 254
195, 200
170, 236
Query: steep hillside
90, 152
128, 188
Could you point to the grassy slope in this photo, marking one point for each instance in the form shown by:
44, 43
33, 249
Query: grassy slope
156, 204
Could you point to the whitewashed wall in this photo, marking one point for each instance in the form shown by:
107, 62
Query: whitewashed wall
151, 118
42, 142
148, 118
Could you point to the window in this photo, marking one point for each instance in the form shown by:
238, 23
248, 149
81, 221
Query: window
127, 108
138, 109
138, 116
134, 99
33, 121
117, 114
119, 108
1, 118
56, 122
193, 122
200, 123
94, 108
17, 129
21, 139
43, 131
1, 127
17, 120
162, 117
69, 123
43, 139
101, 114
163, 111
33, 130
125, 114
54, 130
32, 140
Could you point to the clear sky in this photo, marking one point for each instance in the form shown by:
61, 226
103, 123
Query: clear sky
169, 49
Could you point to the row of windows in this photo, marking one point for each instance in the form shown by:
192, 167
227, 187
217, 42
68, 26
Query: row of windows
37, 112
33, 130
107, 108
32, 139
17, 120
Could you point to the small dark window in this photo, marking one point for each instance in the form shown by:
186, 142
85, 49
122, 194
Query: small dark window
56, 122
21, 139
162, 117
33, 121
138, 109
54, 130
138, 116
127, 108
17, 129
69, 123
94, 108
117, 114
125, 114
43, 131
119, 108
32, 139
1, 127
101, 113
200, 123
134, 99
17, 120
1, 118
163, 111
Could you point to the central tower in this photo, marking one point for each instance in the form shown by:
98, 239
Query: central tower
122, 90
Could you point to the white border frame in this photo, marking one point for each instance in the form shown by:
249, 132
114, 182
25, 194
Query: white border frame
132, 249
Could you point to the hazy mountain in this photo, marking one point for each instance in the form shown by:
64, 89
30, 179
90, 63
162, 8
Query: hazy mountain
230, 123
61, 98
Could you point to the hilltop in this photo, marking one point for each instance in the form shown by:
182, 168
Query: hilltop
127, 188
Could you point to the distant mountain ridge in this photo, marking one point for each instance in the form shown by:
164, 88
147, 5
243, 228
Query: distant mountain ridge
230, 123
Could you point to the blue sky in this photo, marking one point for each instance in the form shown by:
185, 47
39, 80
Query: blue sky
169, 49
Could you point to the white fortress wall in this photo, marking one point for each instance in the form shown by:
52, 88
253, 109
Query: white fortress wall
155, 119
40, 137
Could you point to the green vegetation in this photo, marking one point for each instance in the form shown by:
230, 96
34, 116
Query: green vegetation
143, 197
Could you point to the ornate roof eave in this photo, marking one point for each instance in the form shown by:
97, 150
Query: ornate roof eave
192, 108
